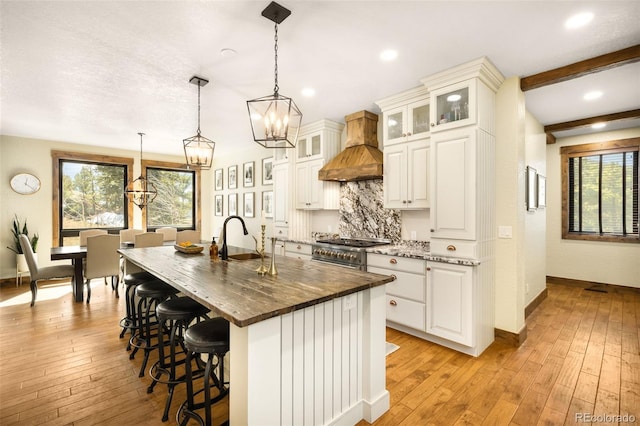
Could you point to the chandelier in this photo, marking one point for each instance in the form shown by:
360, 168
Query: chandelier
275, 119
140, 191
198, 150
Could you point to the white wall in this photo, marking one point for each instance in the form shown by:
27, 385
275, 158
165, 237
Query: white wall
34, 156
611, 263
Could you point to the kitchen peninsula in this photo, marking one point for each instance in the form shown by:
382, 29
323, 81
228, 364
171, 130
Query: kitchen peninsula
307, 345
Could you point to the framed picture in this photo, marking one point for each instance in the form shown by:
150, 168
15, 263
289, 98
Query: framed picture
218, 174
248, 172
233, 177
532, 199
267, 203
218, 205
542, 191
233, 204
248, 204
267, 171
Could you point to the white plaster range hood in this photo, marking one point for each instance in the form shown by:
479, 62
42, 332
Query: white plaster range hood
361, 159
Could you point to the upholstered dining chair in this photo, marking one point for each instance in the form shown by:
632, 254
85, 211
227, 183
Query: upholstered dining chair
90, 233
168, 232
103, 260
146, 239
188, 235
129, 235
47, 273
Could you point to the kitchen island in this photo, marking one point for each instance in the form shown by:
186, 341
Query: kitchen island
307, 345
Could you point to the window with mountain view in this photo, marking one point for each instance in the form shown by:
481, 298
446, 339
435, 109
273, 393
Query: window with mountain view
175, 203
600, 191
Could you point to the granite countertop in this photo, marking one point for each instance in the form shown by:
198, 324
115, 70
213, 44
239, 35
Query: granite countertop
234, 290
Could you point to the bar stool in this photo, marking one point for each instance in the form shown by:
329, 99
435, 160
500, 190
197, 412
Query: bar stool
179, 313
209, 337
130, 321
150, 294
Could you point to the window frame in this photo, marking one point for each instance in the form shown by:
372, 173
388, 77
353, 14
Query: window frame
592, 149
57, 156
166, 165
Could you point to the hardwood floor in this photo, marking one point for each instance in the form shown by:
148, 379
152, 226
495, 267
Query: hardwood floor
63, 363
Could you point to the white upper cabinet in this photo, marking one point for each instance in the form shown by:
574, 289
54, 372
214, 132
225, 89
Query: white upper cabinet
453, 106
309, 147
406, 123
281, 154
281, 196
406, 176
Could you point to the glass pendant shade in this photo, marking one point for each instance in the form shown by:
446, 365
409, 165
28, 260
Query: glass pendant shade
198, 150
140, 191
275, 121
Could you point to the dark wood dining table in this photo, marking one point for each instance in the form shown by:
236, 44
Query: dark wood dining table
76, 254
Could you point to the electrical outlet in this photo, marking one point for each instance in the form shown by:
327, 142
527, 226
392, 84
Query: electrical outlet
414, 235
329, 229
505, 232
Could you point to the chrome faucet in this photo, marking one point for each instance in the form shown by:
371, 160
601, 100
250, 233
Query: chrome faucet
223, 252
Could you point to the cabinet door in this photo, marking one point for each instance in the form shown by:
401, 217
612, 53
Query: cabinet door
302, 186
449, 302
281, 153
395, 125
280, 194
395, 177
418, 174
453, 106
309, 147
418, 119
309, 189
453, 201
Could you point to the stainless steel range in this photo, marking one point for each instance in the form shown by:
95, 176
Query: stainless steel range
348, 252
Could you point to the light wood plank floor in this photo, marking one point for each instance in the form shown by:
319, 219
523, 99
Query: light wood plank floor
62, 363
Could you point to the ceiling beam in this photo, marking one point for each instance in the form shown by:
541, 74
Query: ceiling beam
584, 122
579, 69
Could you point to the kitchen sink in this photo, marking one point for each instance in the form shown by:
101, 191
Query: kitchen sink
244, 256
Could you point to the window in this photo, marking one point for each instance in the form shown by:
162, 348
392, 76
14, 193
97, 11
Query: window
176, 204
89, 194
600, 191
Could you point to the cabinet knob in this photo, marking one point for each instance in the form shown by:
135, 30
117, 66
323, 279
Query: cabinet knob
432, 230
404, 135
404, 201
393, 302
408, 133
393, 261
433, 124
394, 277
428, 268
280, 231
409, 201
298, 247
451, 248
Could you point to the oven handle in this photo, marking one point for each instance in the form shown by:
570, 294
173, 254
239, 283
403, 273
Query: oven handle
335, 264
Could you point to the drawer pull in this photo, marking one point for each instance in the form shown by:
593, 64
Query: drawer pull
451, 248
428, 268
394, 277
393, 261
393, 302
298, 247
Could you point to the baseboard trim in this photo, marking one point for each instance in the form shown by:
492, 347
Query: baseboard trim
535, 303
509, 338
587, 284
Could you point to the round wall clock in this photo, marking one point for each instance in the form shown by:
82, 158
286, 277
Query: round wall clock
25, 183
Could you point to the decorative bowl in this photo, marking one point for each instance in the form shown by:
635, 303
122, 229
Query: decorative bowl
189, 249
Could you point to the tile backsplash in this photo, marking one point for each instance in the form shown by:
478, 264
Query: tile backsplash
362, 213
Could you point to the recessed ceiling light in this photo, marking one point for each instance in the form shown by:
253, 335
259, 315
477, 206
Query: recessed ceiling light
389, 55
598, 125
308, 92
228, 52
590, 96
578, 20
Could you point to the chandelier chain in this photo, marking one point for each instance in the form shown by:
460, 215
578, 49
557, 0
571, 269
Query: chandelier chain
275, 71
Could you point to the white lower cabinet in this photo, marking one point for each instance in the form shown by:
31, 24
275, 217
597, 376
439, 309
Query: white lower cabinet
406, 295
297, 250
450, 302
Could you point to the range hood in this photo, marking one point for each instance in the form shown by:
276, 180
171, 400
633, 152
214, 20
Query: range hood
361, 159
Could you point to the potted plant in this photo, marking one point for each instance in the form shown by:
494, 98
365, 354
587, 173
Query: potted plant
16, 230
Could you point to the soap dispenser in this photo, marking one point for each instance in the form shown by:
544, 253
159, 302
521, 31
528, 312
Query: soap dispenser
213, 250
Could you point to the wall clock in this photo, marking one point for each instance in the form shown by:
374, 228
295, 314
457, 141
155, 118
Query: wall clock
25, 183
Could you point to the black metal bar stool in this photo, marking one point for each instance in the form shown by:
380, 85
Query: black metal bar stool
150, 294
179, 313
130, 321
209, 337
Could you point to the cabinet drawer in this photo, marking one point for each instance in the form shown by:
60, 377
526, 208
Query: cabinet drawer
281, 232
297, 248
396, 263
406, 312
407, 285
454, 248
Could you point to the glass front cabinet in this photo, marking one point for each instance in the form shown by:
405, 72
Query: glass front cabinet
406, 123
453, 106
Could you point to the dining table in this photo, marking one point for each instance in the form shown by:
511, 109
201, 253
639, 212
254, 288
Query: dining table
76, 254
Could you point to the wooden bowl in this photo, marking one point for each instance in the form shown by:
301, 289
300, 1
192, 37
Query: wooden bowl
189, 250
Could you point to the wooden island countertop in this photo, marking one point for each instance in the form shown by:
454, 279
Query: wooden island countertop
235, 291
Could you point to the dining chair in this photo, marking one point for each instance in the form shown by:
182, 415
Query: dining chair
90, 233
188, 235
146, 239
103, 260
47, 273
168, 232
128, 235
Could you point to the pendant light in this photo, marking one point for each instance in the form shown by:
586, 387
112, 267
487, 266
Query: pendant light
275, 119
140, 191
198, 150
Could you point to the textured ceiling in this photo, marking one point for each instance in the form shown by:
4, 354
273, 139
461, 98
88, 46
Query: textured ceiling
98, 72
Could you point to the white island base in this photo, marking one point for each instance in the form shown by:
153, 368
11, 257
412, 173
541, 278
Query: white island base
321, 365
